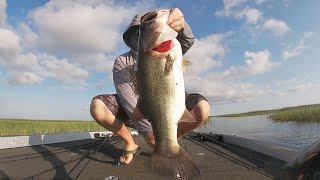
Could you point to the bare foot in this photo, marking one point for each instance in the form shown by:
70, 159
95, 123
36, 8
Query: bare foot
126, 159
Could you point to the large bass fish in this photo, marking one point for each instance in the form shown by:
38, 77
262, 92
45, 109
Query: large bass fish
161, 93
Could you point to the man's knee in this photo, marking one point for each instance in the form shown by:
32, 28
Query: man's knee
202, 110
98, 110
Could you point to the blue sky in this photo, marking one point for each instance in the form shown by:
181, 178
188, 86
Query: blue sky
248, 54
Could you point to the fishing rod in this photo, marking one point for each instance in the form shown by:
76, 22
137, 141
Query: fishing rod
217, 139
45, 153
88, 161
89, 152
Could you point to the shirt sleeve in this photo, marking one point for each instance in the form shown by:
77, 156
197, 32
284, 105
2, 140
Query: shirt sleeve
186, 38
122, 70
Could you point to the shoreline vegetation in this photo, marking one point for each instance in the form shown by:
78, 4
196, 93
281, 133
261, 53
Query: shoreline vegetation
304, 113
10, 127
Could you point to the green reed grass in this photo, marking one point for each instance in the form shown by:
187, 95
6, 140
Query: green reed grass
252, 113
28, 127
307, 113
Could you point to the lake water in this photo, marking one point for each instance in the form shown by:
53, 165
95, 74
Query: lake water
290, 134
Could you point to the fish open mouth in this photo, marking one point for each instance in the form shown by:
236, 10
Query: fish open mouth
163, 47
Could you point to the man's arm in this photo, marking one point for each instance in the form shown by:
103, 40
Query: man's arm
122, 70
186, 38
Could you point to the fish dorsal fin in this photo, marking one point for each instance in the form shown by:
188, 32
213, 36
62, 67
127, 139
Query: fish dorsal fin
137, 115
187, 117
185, 64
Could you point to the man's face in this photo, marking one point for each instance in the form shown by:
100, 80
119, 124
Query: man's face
133, 37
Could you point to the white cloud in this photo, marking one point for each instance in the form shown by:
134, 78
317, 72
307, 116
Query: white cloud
9, 45
251, 15
62, 70
296, 87
26, 62
100, 85
286, 82
18, 67
293, 52
297, 50
85, 33
279, 93
96, 61
23, 78
3, 15
260, 1
278, 27
23, 62
205, 53
257, 63
229, 5
225, 86
81, 26
34, 68
28, 38
250, 11
76, 28
301, 87
220, 91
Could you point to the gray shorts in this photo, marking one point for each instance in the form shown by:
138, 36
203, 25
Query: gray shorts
113, 104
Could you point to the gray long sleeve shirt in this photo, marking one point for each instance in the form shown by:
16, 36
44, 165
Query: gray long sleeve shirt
125, 65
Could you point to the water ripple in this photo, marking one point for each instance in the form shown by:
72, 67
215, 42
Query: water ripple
290, 134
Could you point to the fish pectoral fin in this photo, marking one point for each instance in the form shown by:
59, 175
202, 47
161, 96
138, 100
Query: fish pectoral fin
187, 117
169, 64
137, 115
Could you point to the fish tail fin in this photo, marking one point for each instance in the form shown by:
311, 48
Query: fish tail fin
174, 165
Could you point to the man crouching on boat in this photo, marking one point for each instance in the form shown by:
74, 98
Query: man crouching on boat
114, 111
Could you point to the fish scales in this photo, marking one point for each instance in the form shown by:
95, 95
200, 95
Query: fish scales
162, 95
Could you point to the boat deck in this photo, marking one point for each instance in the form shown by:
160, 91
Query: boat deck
94, 159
